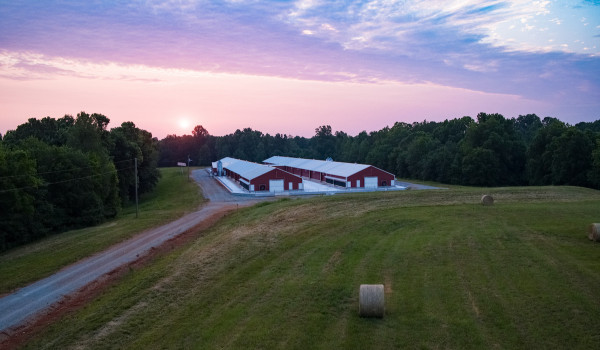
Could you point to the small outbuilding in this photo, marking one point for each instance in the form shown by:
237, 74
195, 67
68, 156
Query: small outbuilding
256, 177
348, 175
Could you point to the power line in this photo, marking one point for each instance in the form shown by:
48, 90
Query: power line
61, 171
64, 181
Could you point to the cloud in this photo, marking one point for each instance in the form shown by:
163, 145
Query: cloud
24, 66
482, 67
30, 66
399, 26
172, 5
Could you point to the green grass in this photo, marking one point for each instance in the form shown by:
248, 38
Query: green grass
174, 196
285, 275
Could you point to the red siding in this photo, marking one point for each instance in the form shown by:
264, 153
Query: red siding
276, 174
382, 177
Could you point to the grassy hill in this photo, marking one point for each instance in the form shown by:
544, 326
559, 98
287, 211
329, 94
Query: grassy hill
285, 275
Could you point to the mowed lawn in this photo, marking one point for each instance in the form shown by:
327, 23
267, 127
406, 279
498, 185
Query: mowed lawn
520, 274
173, 197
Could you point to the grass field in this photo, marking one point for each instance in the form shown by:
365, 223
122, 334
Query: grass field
285, 275
173, 197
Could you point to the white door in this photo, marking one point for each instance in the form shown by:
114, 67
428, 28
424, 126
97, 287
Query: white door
276, 185
290, 186
357, 183
371, 182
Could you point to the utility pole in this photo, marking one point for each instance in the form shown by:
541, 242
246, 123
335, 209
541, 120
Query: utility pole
188, 162
137, 210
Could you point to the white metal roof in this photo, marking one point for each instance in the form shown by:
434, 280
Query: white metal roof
329, 167
244, 168
227, 161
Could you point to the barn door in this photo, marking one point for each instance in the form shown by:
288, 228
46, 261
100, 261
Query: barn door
371, 182
276, 185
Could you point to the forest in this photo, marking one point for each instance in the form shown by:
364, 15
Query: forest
490, 150
61, 174
67, 173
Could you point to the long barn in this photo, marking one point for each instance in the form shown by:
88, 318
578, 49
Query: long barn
348, 175
257, 177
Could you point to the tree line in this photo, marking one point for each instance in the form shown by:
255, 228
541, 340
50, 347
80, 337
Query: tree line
66, 173
489, 150
60, 174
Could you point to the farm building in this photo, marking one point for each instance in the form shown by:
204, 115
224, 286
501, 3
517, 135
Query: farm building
348, 175
257, 177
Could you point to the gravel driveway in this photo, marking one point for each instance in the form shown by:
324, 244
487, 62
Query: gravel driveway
18, 307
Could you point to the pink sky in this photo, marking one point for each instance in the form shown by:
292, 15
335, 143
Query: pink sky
161, 100
289, 67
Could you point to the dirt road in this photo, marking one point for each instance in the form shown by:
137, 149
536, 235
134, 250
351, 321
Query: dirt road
17, 308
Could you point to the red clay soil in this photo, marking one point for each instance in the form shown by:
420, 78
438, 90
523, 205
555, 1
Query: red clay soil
19, 336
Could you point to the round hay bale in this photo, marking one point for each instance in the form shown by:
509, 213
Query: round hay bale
371, 300
487, 200
594, 232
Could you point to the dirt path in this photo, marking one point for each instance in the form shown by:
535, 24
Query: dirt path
18, 308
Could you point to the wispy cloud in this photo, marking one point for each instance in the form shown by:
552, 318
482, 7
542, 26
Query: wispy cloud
172, 5
414, 27
33, 66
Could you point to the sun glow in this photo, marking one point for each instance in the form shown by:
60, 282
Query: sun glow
184, 123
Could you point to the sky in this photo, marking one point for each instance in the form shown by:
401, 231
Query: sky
290, 66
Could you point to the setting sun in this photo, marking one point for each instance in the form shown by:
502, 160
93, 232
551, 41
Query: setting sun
184, 123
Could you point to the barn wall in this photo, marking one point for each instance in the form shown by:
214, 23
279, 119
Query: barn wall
382, 176
276, 174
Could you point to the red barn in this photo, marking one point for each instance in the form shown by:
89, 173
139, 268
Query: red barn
257, 177
348, 175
